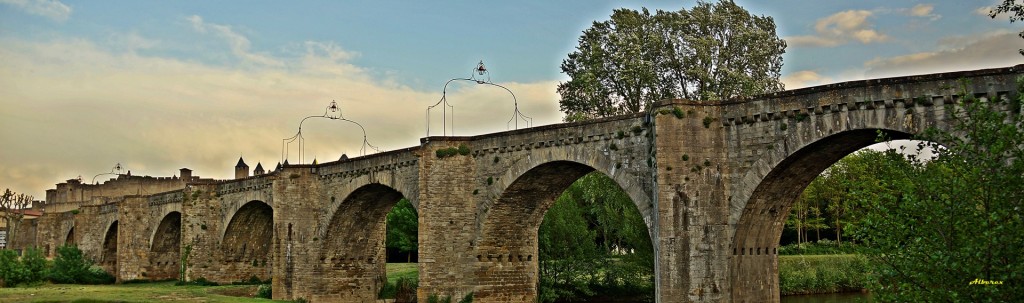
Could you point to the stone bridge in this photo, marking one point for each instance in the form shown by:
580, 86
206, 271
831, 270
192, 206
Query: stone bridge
714, 182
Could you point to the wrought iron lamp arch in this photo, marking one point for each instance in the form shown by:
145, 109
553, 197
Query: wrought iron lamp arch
479, 70
332, 112
116, 170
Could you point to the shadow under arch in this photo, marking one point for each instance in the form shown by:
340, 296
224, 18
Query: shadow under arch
507, 243
248, 236
353, 258
108, 259
69, 239
754, 255
165, 248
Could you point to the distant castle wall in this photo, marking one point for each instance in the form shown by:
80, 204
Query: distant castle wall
74, 194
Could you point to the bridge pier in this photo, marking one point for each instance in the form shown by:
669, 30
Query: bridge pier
692, 226
447, 223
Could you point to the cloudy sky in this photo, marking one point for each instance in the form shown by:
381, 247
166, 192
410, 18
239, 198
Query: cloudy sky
157, 86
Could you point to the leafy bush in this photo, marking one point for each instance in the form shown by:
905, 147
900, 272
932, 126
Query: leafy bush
402, 290
252, 280
434, 298
11, 270
34, 265
98, 276
70, 267
264, 291
823, 274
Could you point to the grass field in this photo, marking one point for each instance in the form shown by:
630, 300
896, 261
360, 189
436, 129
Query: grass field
157, 291
137, 292
402, 270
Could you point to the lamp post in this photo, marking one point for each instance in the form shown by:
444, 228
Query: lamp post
332, 112
116, 170
479, 70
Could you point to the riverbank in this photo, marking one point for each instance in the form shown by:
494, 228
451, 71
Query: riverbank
816, 274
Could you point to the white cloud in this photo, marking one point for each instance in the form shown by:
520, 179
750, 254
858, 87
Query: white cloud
924, 10
921, 10
997, 49
52, 9
804, 78
75, 107
841, 28
240, 45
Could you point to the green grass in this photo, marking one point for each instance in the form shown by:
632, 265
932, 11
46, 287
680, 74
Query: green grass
812, 274
136, 292
159, 291
403, 270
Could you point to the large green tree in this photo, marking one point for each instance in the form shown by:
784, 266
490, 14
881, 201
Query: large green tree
713, 51
402, 229
954, 224
593, 241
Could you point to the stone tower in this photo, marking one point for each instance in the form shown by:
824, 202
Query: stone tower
259, 169
241, 169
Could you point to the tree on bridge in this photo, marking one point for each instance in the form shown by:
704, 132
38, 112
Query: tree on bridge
710, 52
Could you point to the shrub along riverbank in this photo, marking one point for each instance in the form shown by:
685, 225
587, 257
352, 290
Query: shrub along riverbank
815, 274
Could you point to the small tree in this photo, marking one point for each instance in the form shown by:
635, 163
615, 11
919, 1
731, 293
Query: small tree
12, 208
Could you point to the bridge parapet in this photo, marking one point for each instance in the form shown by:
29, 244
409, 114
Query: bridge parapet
365, 165
919, 90
175, 196
253, 183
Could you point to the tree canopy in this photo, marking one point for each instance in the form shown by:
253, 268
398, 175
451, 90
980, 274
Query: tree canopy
710, 52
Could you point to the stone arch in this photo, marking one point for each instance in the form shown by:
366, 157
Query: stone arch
353, 255
595, 161
248, 235
506, 247
165, 248
781, 178
108, 259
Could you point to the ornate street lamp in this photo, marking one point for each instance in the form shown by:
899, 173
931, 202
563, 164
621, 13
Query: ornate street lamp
332, 112
479, 70
116, 170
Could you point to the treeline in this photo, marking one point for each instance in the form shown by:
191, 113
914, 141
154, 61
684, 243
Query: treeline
833, 205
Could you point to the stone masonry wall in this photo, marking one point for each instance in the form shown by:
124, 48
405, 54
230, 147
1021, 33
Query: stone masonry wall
294, 248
